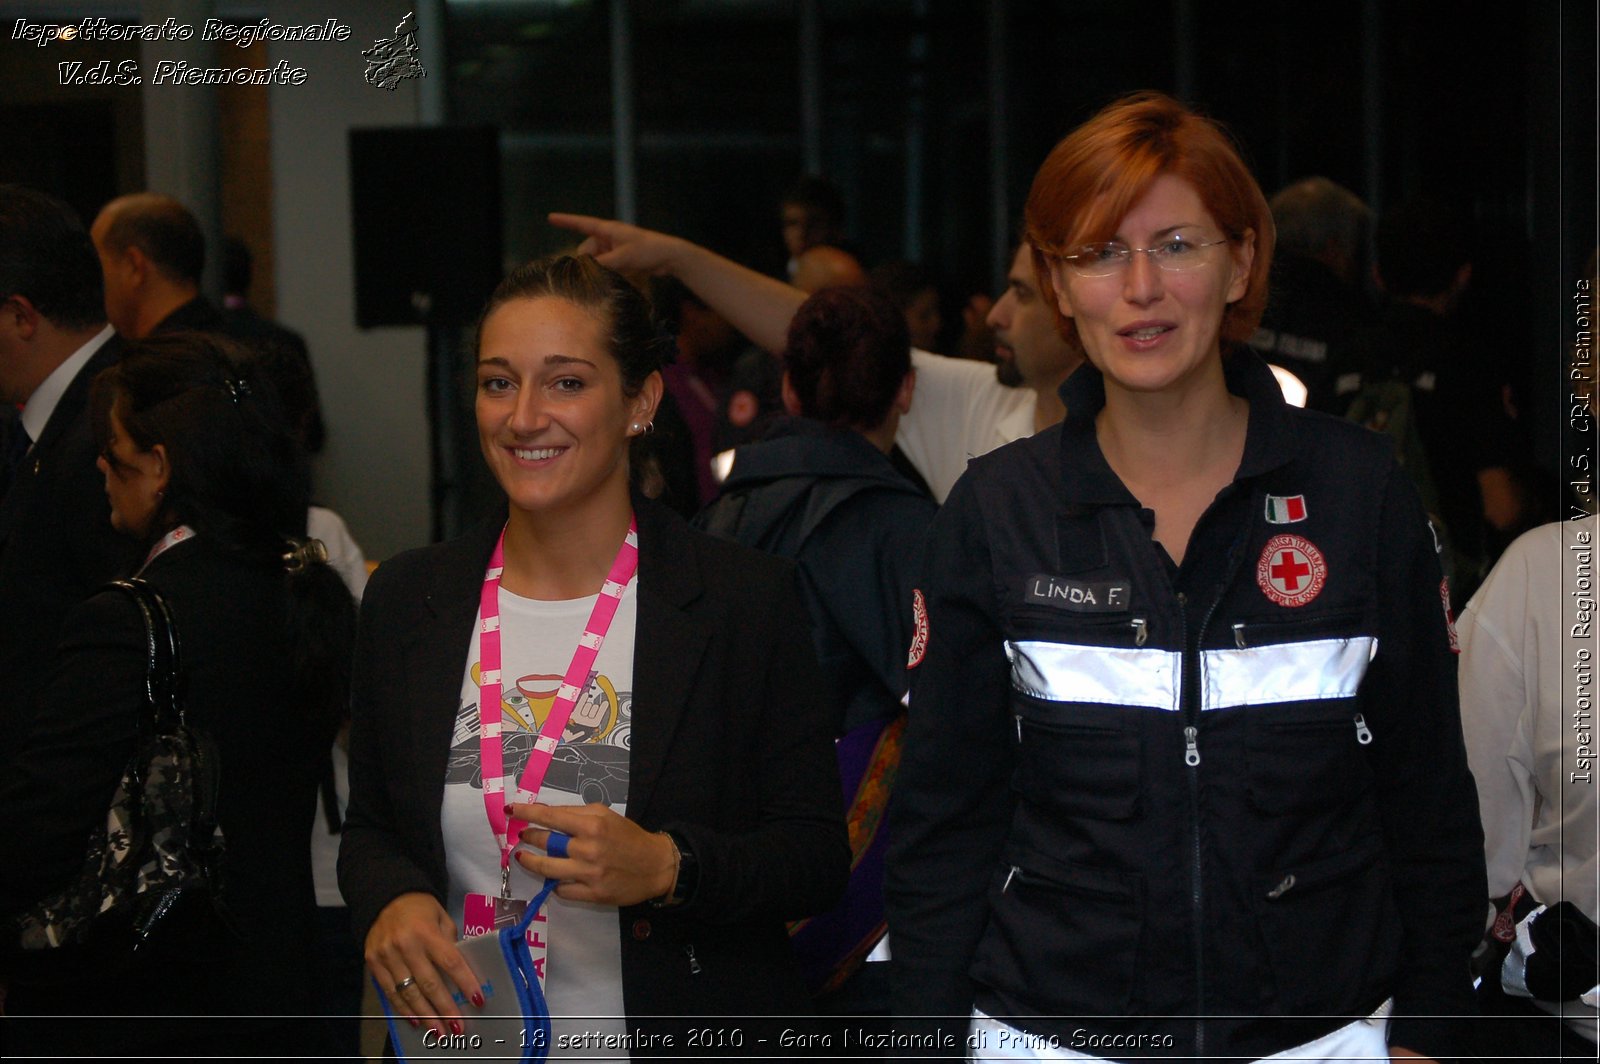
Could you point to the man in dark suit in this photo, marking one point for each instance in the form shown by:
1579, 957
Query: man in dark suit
56, 540
152, 252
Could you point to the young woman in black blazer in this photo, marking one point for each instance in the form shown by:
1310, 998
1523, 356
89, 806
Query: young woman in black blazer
731, 819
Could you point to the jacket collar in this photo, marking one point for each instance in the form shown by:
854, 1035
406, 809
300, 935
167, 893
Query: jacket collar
199, 314
804, 447
666, 564
1270, 438
668, 642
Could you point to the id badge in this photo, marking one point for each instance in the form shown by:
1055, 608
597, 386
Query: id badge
483, 914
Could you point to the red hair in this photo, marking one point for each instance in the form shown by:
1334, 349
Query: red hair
1093, 178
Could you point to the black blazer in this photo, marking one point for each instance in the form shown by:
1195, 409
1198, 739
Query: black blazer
56, 545
731, 747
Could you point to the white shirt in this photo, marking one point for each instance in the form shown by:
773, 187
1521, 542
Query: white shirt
583, 983
42, 403
345, 556
1525, 717
958, 412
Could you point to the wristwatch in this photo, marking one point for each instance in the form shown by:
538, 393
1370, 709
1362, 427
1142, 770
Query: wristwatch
688, 874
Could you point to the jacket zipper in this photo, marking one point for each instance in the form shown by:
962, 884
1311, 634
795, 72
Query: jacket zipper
1191, 759
694, 965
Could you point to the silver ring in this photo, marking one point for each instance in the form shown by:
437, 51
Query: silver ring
402, 984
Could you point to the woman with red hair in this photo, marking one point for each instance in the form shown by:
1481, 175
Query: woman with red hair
1181, 661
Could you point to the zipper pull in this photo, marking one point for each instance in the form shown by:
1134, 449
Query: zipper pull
1191, 749
1009, 877
1363, 733
1282, 888
1019, 726
1238, 636
1140, 632
694, 965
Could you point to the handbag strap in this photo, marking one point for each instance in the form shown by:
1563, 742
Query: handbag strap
163, 660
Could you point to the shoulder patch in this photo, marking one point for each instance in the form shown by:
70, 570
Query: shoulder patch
919, 629
1449, 616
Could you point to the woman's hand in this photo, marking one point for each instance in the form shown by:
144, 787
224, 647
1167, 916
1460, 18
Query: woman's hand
625, 248
413, 941
610, 860
1401, 1053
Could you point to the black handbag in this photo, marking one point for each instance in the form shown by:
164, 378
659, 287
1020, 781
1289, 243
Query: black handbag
150, 888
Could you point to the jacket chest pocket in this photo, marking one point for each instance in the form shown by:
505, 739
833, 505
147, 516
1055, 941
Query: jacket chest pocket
1064, 937
1078, 760
1308, 758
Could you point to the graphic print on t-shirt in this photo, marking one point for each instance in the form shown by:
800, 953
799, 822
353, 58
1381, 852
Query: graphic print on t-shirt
591, 761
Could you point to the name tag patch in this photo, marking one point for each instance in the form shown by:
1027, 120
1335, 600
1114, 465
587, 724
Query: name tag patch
1079, 596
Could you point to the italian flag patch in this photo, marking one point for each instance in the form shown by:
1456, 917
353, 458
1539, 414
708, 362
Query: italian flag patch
1285, 509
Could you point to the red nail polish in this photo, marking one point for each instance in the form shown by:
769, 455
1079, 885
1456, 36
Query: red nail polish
477, 998
455, 1027
508, 810
414, 1021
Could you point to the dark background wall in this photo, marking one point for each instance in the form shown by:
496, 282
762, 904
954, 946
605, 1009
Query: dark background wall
931, 115
1489, 107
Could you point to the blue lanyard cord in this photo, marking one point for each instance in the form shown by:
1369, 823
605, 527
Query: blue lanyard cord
514, 943
530, 995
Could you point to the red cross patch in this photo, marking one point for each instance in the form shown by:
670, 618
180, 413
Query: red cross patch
1291, 571
919, 633
1449, 615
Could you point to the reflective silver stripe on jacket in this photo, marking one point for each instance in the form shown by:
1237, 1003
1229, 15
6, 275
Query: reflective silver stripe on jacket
1118, 676
1150, 678
1286, 672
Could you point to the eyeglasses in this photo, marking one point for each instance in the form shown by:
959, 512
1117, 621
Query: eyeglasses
1174, 255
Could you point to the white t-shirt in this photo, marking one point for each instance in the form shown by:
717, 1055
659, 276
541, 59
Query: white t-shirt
958, 412
345, 556
583, 974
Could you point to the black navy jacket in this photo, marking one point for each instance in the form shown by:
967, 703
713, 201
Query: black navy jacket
731, 748
833, 502
1232, 789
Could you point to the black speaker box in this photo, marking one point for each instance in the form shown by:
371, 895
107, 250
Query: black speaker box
425, 203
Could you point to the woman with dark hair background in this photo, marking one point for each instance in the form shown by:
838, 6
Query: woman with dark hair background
201, 470
820, 489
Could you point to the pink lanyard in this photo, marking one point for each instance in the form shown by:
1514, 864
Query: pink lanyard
577, 677
166, 542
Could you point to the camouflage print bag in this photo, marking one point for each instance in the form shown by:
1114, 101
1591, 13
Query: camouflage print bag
151, 881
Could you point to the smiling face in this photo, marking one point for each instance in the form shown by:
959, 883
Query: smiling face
1146, 329
553, 421
135, 481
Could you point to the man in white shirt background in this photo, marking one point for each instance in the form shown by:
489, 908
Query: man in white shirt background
962, 408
